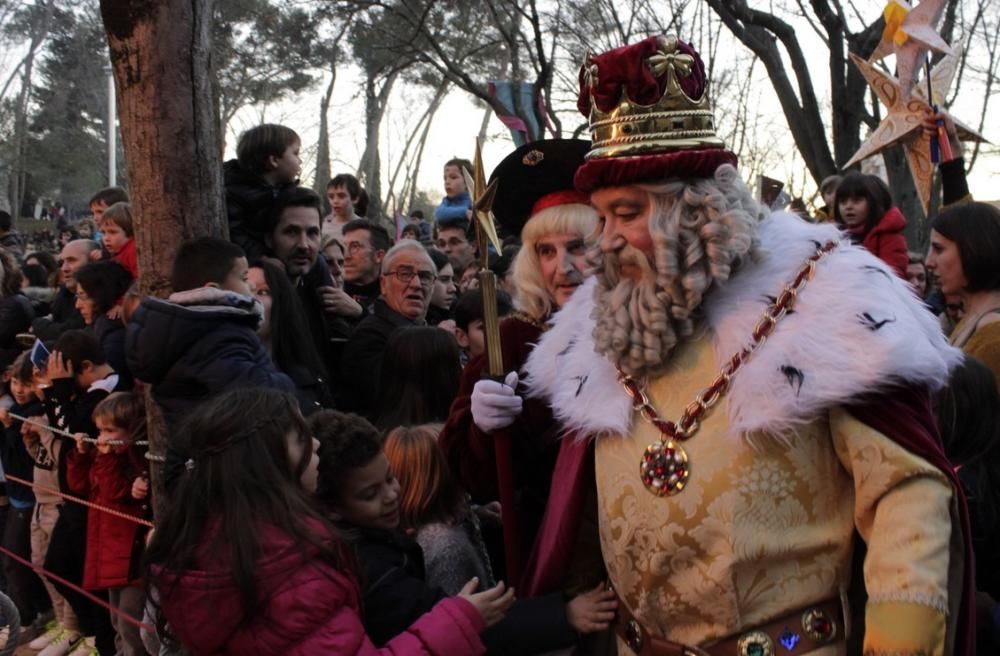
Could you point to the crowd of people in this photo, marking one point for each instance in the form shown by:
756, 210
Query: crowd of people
337, 452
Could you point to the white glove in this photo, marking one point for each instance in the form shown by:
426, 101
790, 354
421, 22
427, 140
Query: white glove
495, 405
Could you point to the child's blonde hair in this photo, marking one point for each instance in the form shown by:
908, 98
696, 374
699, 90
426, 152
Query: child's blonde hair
121, 215
125, 410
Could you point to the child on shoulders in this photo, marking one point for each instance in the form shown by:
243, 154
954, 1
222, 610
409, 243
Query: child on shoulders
119, 237
456, 205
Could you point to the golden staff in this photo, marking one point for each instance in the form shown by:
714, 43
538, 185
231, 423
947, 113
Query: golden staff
486, 234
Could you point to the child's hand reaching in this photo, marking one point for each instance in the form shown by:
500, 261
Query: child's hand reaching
492, 604
140, 488
592, 611
82, 445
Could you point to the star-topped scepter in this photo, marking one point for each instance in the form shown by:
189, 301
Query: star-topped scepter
486, 234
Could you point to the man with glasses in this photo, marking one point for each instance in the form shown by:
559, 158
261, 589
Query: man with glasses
406, 281
365, 245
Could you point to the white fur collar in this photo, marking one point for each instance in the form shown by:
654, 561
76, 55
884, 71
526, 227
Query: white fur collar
856, 328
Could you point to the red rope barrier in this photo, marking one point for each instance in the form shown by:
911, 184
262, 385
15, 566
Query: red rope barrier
94, 598
82, 502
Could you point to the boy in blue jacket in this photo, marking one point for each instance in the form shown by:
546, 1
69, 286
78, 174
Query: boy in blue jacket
202, 340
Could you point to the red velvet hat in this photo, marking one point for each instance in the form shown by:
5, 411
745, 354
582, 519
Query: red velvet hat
650, 118
534, 177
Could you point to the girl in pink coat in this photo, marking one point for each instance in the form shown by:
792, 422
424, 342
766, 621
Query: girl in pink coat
244, 564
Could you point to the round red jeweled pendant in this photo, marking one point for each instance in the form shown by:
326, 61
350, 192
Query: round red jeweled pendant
664, 468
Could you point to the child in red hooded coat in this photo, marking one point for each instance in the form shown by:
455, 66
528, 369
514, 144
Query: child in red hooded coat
863, 207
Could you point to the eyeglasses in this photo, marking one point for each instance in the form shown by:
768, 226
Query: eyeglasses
406, 276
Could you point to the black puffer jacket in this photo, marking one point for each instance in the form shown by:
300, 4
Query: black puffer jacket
248, 197
394, 594
196, 345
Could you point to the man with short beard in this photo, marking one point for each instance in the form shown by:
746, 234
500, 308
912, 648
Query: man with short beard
729, 530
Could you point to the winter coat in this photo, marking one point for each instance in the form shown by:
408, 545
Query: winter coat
361, 362
885, 241
248, 197
14, 455
64, 317
110, 335
395, 592
13, 244
307, 608
197, 344
453, 209
41, 299
16, 315
128, 258
114, 545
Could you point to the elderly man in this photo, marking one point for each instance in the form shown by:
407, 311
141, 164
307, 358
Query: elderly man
407, 280
730, 533
64, 314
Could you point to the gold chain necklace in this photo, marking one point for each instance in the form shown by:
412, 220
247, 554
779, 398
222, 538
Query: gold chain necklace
665, 468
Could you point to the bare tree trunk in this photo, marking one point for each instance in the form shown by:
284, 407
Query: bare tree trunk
418, 159
370, 169
323, 149
392, 199
18, 178
161, 55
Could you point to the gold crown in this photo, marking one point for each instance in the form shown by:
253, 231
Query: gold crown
675, 122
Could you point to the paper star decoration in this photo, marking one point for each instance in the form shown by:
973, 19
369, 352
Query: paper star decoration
482, 205
909, 33
904, 122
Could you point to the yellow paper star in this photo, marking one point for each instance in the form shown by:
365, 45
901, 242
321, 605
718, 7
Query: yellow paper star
903, 124
482, 206
909, 34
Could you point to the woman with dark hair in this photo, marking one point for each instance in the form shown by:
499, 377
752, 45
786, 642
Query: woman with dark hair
43, 259
420, 375
285, 334
968, 415
100, 287
243, 562
16, 313
445, 290
964, 256
863, 207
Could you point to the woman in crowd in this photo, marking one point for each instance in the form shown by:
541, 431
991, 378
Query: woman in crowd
419, 379
100, 288
863, 207
535, 199
445, 289
45, 260
16, 312
245, 563
968, 415
332, 251
285, 335
965, 250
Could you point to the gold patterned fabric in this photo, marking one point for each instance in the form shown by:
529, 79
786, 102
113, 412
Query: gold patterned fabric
765, 525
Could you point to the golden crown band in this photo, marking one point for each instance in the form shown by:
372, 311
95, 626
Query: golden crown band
653, 131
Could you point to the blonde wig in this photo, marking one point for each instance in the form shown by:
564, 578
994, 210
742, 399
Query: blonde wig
531, 296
